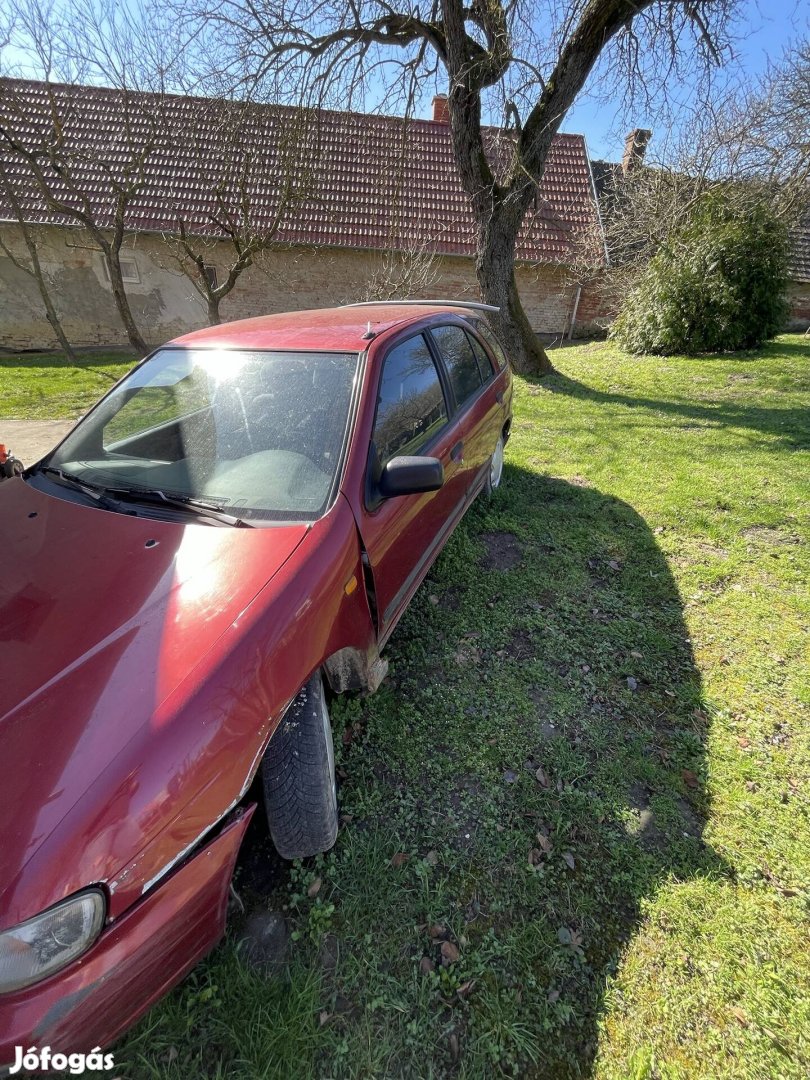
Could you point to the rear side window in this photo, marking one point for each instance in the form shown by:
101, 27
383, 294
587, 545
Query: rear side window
462, 367
494, 344
484, 362
410, 406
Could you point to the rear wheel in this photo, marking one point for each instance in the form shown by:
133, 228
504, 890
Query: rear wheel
298, 776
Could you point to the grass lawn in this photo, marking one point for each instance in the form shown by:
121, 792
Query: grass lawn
576, 837
48, 386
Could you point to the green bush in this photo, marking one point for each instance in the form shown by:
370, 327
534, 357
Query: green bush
718, 284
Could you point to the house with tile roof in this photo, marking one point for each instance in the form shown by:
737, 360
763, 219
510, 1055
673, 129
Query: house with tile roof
369, 191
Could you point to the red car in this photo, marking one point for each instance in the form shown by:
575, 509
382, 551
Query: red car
228, 537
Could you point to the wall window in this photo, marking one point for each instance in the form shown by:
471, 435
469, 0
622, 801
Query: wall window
129, 271
410, 406
210, 275
462, 367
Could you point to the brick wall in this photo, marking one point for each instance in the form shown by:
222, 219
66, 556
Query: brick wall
799, 300
165, 303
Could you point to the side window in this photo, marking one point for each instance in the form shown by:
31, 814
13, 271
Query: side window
462, 367
410, 406
484, 362
494, 344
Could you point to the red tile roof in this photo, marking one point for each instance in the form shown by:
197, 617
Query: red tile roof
372, 181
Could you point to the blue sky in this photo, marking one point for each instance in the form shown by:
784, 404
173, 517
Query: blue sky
764, 30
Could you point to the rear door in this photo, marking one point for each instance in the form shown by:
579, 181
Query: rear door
403, 535
477, 396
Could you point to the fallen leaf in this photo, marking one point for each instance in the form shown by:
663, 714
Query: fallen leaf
434, 600
437, 932
743, 743
399, 859
614, 565
432, 858
636, 654
542, 777
535, 856
510, 776
450, 953
552, 996
586, 668
568, 859
426, 965
323, 1018
632, 683
689, 778
347, 736
314, 888
739, 1014
544, 843
466, 987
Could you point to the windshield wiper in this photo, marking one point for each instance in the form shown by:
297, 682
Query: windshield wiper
94, 491
183, 502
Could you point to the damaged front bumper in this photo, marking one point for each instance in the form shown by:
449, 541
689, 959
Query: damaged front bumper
136, 960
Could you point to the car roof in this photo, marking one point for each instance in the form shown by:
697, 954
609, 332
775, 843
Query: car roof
339, 329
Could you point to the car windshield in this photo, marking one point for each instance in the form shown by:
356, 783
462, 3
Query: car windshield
260, 434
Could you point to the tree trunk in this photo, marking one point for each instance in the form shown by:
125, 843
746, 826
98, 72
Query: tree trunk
50, 314
213, 311
495, 269
122, 302
50, 310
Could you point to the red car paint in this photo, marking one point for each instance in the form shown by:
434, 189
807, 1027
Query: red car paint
146, 664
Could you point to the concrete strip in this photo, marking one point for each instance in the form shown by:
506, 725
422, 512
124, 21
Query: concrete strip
29, 440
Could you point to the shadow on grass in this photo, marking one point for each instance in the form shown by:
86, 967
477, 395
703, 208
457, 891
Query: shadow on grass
528, 777
787, 425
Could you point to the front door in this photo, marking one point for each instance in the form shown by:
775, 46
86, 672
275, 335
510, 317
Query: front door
403, 535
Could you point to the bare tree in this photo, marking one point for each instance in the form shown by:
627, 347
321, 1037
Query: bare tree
528, 57
236, 149
89, 181
403, 274
33, 268
754, 141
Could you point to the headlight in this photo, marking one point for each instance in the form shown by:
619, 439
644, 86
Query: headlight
42, 945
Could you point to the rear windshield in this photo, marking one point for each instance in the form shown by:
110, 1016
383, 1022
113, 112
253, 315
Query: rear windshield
261, 434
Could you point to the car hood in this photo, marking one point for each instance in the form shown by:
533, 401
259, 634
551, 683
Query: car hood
101, 616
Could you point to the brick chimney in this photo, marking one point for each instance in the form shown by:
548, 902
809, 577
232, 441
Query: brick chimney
635, 145
441, 109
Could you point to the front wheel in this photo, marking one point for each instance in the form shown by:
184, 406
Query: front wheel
298, 776
495, 469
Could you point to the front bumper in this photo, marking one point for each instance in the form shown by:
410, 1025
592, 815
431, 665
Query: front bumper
136, 960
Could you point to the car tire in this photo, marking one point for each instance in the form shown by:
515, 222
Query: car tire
298, 777
495, 470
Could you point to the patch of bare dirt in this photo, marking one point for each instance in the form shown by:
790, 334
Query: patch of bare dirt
763, 534
520, 645
503, 551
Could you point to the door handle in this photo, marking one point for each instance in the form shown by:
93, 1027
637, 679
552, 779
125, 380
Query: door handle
457, 453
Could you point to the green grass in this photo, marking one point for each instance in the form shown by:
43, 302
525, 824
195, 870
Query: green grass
48, 386
642, 910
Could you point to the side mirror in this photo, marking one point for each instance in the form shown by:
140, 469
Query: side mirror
410, 475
